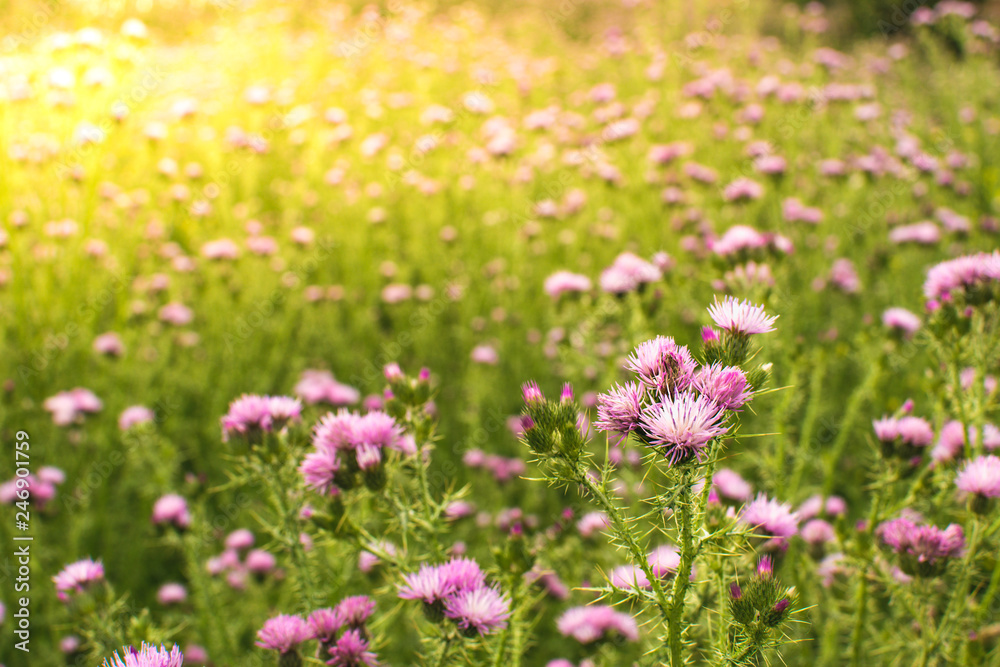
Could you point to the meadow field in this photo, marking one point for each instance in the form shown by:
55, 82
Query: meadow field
571, 334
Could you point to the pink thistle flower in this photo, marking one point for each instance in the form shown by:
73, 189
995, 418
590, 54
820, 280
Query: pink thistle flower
351, 650
662, 365
147, 656
770, 518
318, 469
562, 282
320, 387
726, 386
592, 522
923, 549
324, 624
354, 611
479, 611
284, 633
740, 318
980, 477
260, 562
731, 485
78, 576
135, 415
588, 624
171, 593
172, 508
901, 320
109, 344
818, 532
682, 425
239, 539
427, 585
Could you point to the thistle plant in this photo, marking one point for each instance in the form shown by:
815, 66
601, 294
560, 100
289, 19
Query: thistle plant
682, 410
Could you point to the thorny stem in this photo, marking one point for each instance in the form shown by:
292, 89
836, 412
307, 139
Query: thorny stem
427, 503
682, 577
857, 634
445, 648
958, 594
624, 533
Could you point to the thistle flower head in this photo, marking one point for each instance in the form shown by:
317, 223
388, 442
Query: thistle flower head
726, 386
682, 425
284, 633
146, 656
770, 518
740, 318
980, 477
79, 575
531, 392
351, 650
620, 410
354, 611
479, 610
662, 365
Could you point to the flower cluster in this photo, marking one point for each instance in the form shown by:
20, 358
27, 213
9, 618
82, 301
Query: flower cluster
923, 550
675, 406
347, 443
762, 601
457, 590
340, 631
972, 279
68, 407
250, 415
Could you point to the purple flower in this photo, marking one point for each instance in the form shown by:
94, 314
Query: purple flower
662, 365
78, 576
172, 508
284, 633
133, 416
588, 624
923, 549
480, 610
321, 387
770, 518
620, 410
249, 415
740, 318
818, 531
561, 282
731, 485
351, 650
682, 425
427, 585
980, 477
963, 273
354, 611
901, 320
324, 624
726, 386
318, 469
147, 656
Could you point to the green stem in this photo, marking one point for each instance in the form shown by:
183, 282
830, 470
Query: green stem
428, 504
958, 594
682, 578
861, 609
984, 604
445, 648
624, 533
